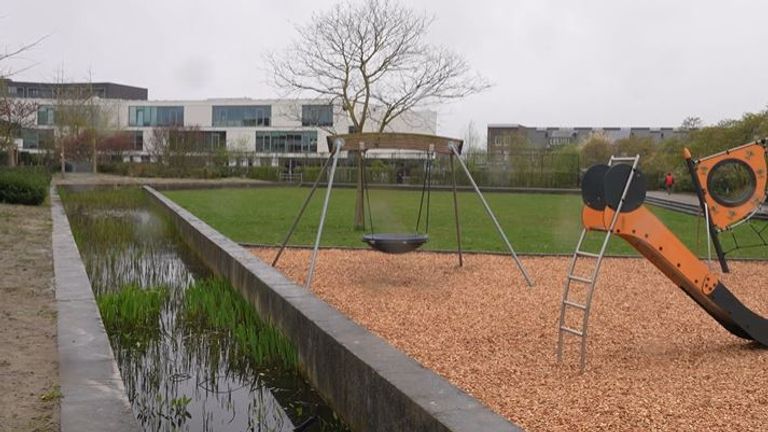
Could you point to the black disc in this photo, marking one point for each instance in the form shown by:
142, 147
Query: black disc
592, 189
395, 243
615, 180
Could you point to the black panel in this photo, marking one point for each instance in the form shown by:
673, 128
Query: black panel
616, 179
751, 325
592, 190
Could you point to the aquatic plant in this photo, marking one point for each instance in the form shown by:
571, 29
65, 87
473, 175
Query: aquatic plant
214, 304
132, 313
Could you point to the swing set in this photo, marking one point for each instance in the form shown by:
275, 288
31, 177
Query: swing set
394, 242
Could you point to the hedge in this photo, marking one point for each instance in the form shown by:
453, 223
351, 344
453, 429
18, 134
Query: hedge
23, 185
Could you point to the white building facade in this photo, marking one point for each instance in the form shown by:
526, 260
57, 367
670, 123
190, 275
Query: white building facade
259, 129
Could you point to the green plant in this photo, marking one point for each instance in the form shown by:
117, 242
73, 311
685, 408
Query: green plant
214, 305
52, 394
24, 185
133, 313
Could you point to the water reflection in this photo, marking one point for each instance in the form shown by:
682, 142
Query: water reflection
181, 378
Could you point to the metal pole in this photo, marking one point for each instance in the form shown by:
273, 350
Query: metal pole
490, 214
456, 213
301, 212
313, 260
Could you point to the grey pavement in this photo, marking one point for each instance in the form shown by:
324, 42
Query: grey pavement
94, 397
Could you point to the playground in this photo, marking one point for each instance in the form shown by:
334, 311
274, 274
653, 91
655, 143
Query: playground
514, 331
656, 361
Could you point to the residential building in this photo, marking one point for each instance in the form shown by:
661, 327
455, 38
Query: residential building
505, 138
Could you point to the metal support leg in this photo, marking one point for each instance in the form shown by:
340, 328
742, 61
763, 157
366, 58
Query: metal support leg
313, 260
301, 212
456, 213
491, 215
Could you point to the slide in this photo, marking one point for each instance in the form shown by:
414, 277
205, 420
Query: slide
602, 190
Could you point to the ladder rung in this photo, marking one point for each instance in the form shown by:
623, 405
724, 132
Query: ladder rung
624, 158
580, 279
571, 331
576, 305
587, 254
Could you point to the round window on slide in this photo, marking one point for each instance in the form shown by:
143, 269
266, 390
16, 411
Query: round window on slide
731, 182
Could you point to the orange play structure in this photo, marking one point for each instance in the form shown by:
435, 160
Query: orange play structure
730, 185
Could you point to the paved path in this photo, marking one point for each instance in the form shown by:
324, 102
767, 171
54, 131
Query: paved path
683, 198
74, 179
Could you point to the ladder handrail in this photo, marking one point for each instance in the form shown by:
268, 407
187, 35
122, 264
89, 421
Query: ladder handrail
595, 273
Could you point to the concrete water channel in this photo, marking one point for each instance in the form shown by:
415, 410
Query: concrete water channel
180, 376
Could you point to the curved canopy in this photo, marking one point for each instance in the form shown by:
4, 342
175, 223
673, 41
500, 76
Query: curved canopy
401, 141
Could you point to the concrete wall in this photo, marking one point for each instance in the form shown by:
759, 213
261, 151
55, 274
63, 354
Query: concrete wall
94, 395
371, 385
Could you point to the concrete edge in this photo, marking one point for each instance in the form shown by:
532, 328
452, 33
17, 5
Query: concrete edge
94, 397
370, 384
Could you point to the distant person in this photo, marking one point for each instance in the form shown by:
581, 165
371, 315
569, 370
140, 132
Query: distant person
669, 181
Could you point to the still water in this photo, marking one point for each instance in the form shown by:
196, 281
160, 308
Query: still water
181, 377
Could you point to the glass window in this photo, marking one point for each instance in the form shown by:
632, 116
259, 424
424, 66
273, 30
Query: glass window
45, 115
137, 140
317, 115
155, 116
37, 138
237, 116
286, 141
197, 141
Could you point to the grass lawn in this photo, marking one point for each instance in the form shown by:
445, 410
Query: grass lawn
534, 223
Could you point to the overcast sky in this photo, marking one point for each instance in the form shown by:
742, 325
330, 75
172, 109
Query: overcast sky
553, 63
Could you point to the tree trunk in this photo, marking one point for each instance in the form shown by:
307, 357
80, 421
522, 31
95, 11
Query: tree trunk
12, 155
95, 160
360, 195
63, 163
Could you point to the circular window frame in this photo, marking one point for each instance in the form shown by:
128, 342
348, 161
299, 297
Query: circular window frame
741, 200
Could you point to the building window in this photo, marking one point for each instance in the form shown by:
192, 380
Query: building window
37, 138
156, 116
45, 116
137, 140
197, 141
237, 116
317, 115
286, 141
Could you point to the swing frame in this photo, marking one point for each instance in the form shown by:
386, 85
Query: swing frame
362, 142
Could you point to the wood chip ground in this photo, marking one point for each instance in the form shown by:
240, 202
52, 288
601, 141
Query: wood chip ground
656, 360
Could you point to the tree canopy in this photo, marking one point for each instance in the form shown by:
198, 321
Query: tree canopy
371, 57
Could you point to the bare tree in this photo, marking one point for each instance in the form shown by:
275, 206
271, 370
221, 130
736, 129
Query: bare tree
371, 57
691, 123
475, 149
7, 55
15, 115
82, 121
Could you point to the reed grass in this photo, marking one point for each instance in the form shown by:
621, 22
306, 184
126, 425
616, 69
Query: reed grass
132, 313
213, 304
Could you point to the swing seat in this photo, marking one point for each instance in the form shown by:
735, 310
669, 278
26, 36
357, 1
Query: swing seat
395, 243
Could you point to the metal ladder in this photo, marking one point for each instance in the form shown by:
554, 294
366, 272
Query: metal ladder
591, 281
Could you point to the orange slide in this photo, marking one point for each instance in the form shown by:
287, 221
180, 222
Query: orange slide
746, 166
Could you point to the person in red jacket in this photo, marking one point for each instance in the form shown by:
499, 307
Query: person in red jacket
669, 181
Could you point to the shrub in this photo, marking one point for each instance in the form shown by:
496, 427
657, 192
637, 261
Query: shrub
23, 185
264, 173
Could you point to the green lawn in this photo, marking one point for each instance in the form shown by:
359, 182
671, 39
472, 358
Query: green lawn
534, 223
